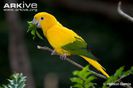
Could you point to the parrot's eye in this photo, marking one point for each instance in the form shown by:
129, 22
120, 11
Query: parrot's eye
42, 18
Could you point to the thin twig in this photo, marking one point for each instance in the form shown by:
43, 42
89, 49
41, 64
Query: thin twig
71, 61
123, 13
119, 81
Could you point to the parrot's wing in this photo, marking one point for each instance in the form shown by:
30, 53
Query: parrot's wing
79, 43
78, 47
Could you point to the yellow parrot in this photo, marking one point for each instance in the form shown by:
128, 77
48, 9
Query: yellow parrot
64, 40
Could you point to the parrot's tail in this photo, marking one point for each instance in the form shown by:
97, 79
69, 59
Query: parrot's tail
95, 64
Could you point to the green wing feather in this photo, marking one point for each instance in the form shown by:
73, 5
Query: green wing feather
78, 47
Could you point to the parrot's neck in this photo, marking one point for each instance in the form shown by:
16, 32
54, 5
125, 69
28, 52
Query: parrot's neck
46, 28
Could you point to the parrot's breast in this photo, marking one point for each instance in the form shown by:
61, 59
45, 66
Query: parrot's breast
59, 36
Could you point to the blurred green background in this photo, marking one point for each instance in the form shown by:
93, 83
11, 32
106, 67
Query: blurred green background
108, 34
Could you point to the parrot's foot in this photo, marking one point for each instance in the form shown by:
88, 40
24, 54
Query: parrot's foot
63, 57
53, 52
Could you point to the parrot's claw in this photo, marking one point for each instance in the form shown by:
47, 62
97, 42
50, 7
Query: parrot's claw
53, 52
63, 57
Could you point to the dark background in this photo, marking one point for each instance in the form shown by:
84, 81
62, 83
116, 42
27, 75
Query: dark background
108, 34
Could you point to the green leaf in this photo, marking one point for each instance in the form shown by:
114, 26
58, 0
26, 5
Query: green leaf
126, 73
31, 26
17, 80
33, 29
75, 73
83, 73
91, 78
37, 33
77, 80
119, 71
86, 75
83, 78
89, 85
33, 32
117, 75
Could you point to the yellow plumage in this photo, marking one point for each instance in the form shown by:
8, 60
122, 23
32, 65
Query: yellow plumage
96, 65
59, 36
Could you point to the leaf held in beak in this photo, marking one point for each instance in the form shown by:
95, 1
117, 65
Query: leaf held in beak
32, 28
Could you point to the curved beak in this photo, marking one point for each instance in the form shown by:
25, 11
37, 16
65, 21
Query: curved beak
37, 23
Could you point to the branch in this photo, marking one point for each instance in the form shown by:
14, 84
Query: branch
123, 13
119, 81
45, 48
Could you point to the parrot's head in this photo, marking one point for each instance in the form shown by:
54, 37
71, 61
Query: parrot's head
44, 20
